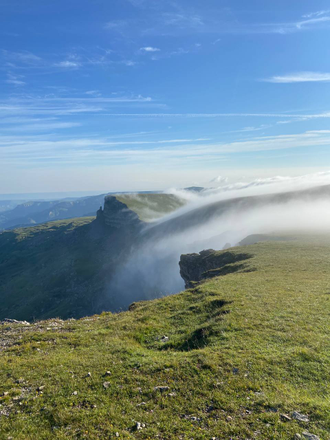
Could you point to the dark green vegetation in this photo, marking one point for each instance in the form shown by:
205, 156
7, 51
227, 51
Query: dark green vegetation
63, 268
45, 258
59, 268
243, 350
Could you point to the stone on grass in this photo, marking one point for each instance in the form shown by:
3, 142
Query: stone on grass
106, 385
285, 418
309, 436
300, 417
161, 388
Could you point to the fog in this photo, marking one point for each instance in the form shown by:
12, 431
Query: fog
214, 219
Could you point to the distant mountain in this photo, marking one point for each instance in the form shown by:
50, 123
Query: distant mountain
7, 205
196, 189
35, 212
149, 206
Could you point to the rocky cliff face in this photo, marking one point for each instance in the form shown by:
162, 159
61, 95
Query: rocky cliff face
116, 214
209, 263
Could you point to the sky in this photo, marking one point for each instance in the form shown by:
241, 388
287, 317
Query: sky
133, 95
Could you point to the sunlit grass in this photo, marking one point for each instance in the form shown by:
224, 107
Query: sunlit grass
242, 349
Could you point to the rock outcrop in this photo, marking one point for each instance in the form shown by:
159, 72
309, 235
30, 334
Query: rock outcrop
116, 214
209, 263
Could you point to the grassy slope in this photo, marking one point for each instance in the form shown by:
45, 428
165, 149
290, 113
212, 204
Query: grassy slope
151, 206
242, 349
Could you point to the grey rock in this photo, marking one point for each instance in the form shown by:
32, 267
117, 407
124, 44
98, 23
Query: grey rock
162, 388
106, 385
285, 418
75, 393
207, 264
309, 436
14, 321
300, 417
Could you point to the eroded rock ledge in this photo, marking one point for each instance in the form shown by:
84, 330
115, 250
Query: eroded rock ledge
116, 214
210, 263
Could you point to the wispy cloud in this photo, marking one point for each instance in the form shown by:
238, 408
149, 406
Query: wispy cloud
312, 21
24, 57
183, 20
15, 80
300, 77
95, 93
68, 64
221, 115
93, 151
52, 105
42, 126
317, 13
149, 49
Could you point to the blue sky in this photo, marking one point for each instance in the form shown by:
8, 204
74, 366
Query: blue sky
148, 94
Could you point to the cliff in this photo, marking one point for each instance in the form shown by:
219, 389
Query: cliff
208, 264
116, 214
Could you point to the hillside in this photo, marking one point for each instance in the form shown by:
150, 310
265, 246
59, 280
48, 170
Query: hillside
64, 268
74, 268
242, 355
148, 207
36, 212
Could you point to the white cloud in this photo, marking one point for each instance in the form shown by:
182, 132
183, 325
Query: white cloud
324, 115
312, 21
150, 49
317, 13
68, 64
300, 77
42, 126
15, 80
219, 179
24, 57
93, 93
194, 152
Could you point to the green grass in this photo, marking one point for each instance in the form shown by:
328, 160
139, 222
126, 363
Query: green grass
242, 349
151, 206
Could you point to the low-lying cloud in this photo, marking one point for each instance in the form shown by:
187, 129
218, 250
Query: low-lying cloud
214, 221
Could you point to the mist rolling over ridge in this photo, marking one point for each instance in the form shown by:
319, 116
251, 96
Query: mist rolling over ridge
214, 220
